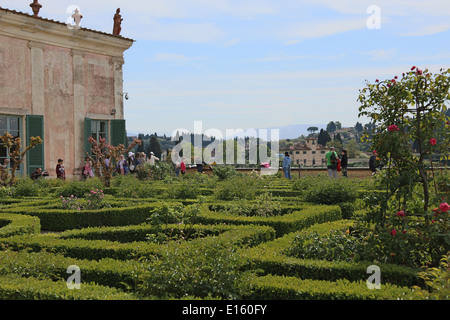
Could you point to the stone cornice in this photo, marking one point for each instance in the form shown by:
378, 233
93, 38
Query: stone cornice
34, 44
47, 32
74, 52
117, 61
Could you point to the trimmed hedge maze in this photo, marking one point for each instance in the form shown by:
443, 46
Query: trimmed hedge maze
203, 246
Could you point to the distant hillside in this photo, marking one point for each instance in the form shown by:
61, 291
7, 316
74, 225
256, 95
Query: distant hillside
286, 132
296, 130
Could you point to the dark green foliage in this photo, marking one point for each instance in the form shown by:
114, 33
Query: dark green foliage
205, 268
331, 191
224, 172
293, 288
25, 187
12, 224
80, 188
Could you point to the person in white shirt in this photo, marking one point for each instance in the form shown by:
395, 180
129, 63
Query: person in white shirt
152, 158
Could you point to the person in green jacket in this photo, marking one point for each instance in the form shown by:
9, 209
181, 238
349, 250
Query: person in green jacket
332, 158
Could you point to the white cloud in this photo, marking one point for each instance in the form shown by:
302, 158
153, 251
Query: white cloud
175, 57
178, 32
427, 30
319, 29
231, 43
382, 54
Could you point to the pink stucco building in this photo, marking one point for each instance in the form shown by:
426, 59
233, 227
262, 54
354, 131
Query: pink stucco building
61, 84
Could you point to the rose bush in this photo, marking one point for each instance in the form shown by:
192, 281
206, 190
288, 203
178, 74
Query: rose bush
409, 117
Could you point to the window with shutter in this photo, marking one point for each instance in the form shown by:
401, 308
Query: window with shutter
87, 134
13, 126
118, 134
35, 156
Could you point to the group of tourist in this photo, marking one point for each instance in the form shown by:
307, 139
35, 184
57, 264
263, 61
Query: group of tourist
123, 166
335, 163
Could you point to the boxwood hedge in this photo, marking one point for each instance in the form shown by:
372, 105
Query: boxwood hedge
271, 287
271, 258
15, 224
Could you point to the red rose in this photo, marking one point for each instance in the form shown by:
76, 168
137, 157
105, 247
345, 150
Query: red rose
393, 128
433, 141
393, 232
444, 207
401, 214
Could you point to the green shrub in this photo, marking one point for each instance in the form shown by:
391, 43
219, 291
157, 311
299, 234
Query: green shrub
331, 191
437, 281
131, 187
290, 288
223, 172
265, 205
203, 268
61, 219
202, 180
335, 245
187, 189
305, 183
271, 257
16, 288
77, 245
46, 265
161, 171
347, 209
236, 188
282, 224
14, 224
5, 192
49, 183
80, 188
25, 187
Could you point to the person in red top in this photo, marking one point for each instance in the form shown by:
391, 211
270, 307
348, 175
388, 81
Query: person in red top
183, 165
60, 172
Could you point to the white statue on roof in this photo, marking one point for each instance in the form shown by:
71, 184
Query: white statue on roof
77, 18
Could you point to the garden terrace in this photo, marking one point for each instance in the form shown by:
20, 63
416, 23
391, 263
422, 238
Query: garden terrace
236, 238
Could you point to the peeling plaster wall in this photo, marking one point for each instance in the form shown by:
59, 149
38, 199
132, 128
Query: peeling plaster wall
15, 74
59, 105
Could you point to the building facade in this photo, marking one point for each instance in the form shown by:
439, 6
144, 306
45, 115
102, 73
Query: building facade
62, 84
308, 154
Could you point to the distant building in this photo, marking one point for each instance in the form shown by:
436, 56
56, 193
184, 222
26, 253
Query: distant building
62, 84
307, 154
350, 132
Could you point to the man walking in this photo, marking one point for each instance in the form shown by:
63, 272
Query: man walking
287, 165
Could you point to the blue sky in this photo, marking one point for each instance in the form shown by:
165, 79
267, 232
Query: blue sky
260, 63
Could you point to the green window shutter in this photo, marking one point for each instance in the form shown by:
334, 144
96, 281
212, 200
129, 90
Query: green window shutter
35, 156
118, 135
87, 134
